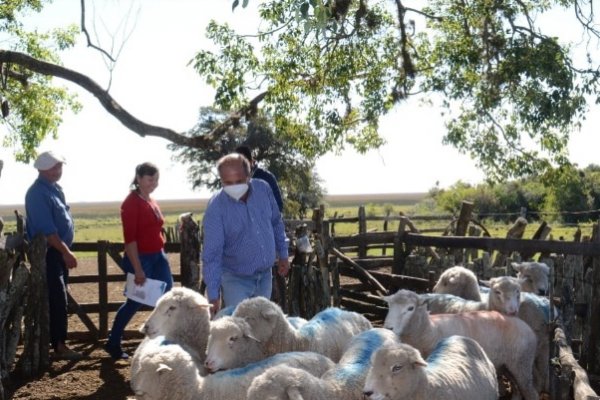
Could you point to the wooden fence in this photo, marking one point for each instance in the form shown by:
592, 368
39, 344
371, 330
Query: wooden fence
418, 259
342, 271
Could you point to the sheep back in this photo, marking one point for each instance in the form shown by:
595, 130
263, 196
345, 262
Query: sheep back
181, 315
457, 369
460, 282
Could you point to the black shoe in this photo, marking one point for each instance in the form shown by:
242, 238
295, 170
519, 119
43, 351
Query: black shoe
116, 352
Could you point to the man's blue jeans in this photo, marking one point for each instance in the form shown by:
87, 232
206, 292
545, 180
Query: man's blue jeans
156, 266
57, 275
237, 288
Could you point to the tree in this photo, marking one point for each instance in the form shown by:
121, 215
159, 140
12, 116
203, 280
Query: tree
327, 71
299, 183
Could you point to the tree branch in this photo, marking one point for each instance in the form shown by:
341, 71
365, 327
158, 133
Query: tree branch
115, 109
87, 35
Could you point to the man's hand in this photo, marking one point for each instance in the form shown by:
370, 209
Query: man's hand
283, 266
70, 260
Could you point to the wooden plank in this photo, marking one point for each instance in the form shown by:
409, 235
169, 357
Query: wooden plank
364, 275
490, 244
75, 308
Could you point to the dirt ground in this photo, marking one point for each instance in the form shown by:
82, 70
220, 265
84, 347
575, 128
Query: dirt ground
95, 377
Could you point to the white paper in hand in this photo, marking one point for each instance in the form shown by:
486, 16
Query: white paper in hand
148, 294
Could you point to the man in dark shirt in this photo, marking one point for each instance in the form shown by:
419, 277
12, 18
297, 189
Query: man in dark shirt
257, 172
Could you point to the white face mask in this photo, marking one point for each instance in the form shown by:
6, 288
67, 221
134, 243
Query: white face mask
236, 191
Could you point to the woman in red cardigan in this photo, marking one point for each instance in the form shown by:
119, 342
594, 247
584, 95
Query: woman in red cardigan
144, 248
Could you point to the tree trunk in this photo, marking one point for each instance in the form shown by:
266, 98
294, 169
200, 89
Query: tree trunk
190, 252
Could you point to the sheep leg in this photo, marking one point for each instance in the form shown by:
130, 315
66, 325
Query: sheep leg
526, 388
541, 370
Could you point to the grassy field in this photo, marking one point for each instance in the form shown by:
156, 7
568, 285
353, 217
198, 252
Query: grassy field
101, 221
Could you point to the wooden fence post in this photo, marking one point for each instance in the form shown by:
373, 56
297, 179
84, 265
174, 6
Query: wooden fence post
190, 252
103, 288
399, 256
594, 317
322, 244
362, 229
466, 211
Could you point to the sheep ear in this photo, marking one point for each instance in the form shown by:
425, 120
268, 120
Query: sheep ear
269, 314
516, 266
163, 367
248, 334
387, 298
294, 393
485, 283
417, 361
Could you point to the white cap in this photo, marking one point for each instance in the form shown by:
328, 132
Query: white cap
47, 160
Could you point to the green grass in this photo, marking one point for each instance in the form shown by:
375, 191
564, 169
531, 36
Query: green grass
101, 221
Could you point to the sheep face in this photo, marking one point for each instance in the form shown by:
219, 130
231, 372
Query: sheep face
402, 307
505, 295
262, 315
534, 276
174, 306
229, 337
392, 373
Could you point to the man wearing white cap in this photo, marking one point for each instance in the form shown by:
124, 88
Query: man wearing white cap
48, 214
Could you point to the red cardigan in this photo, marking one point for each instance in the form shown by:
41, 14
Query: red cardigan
142, 223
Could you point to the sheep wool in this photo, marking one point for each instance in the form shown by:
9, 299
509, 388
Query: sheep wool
343, 382
328, 332
457, 369
506, 340
460, 282
168, 372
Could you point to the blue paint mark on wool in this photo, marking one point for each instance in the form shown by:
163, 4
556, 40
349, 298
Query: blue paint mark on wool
364, 345
262, 364
438, 353
542, 303
317, 322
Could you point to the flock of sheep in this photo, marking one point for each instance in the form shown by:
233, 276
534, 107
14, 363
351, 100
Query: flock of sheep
432, 346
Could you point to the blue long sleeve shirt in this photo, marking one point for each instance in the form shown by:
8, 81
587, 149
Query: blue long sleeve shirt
47, 211
241, 237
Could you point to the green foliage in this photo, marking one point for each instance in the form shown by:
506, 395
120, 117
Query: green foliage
327, 81
36, 105
566, 194
299, 184
512, 94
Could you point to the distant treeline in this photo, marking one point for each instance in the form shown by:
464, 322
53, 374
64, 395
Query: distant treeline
569, 195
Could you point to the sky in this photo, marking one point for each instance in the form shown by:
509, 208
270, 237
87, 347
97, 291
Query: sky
153, 81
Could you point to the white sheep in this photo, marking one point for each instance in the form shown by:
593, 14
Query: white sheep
457, 369
506, 296
181, 316
343, 382
328, 332
296, 322
508, 341
167, 372
460, 282
534, 276
231, 345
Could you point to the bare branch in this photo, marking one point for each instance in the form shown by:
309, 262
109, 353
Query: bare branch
87, 35
421, 12
115, 109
